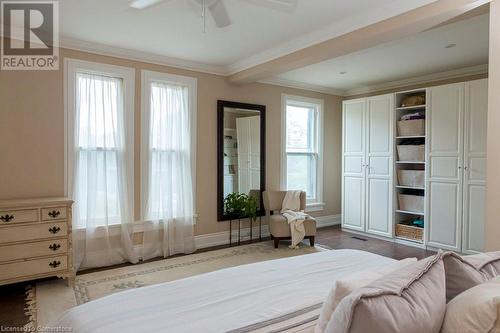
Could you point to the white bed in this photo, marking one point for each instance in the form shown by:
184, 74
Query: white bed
234, 299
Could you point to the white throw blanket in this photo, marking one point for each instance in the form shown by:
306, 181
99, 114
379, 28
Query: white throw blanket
291, 211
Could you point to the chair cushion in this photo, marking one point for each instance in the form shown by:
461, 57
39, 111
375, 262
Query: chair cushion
411, 299
279, 227
465, 272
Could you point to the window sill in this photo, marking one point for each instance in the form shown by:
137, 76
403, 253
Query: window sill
315, 207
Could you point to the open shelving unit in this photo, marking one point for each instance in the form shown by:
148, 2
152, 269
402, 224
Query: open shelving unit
404, 217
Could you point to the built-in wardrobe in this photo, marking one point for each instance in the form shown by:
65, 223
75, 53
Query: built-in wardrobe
414, 166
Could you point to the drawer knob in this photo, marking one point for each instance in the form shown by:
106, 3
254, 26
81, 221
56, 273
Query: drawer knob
54, 213
54, 264
6, 218
55, 247
54, 230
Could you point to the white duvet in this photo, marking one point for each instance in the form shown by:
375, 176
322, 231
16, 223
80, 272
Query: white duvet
222, 300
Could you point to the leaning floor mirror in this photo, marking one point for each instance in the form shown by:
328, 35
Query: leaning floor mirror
240, 154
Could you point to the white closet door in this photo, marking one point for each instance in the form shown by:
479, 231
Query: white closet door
353, 161
379, 148
243, 135
444, 200
254, 165
476, 114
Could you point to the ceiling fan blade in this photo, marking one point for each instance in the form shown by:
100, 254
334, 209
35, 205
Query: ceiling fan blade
282, 5
142, 4
219, 13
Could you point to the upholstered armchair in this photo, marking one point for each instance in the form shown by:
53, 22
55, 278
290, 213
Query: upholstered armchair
278, 225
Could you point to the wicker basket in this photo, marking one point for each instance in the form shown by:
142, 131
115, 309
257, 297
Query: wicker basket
409, 232
411, 203
412, 178
415, 127
411, 153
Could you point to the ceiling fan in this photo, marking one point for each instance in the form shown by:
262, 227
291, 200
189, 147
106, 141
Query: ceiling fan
218, 10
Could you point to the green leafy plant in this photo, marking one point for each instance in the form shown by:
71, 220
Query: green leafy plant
240, 205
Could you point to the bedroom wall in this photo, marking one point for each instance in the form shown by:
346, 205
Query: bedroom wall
492, 229
32, 134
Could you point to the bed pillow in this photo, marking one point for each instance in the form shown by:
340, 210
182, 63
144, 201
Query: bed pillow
411, 299
345, 286
465, 272
474, 310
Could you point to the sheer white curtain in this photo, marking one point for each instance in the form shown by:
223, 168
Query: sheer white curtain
101, 177
167, 195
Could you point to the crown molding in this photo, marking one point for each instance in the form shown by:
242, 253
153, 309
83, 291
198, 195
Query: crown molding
304, 86
152, 58
424, 79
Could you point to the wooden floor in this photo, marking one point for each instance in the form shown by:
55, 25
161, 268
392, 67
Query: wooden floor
12, 296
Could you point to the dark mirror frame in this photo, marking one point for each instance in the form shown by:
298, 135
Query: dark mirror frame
220, 153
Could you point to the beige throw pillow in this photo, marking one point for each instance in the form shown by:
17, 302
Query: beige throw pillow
465, 272
345, 286
411, 299
474, 310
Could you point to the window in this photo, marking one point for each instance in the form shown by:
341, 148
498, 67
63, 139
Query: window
100, 143
168, 147
302, 148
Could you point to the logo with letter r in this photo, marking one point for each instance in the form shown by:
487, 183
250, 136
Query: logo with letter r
30, 35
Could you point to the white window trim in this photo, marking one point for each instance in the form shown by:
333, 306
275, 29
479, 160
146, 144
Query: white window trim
192, 84
73, 66
317, 204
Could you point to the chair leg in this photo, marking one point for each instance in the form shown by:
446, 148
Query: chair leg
311, 240
276, 243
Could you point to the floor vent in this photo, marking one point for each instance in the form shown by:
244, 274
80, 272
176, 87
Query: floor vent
359, 238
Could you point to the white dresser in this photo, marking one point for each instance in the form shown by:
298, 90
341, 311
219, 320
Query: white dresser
35, 239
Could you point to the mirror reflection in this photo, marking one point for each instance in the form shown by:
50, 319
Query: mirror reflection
241, 151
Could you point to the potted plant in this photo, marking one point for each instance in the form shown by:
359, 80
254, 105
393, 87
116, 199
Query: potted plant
239, 206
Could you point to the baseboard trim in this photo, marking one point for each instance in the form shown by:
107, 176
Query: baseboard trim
222, 238
328, 220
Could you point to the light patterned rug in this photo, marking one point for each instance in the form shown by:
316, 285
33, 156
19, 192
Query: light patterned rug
47, 300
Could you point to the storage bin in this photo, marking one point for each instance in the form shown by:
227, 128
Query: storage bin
411, 153
412, 178
409, 232
411, 203
415, 127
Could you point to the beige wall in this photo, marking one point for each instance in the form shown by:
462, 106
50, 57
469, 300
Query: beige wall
492, 229
32, 134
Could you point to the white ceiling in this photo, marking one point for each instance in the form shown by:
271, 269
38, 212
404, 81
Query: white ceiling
422, 54
173, 28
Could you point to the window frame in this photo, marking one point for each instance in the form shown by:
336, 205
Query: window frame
147, 77
313, 204
127, 75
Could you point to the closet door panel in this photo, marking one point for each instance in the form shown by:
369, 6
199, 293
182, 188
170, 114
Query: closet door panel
353, 215
474, 218
443, 213
353, 161
379, 159
474, 199
379, 206
445, 140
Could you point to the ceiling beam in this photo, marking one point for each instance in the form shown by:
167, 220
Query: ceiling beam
397, 27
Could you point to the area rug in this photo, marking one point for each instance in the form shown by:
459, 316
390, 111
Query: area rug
47, 300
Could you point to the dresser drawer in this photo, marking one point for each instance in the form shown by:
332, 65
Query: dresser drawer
54, 213
33, 232
18, 216
33, 267
35, 249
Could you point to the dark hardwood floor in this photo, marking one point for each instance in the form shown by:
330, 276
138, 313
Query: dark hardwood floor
12, 296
